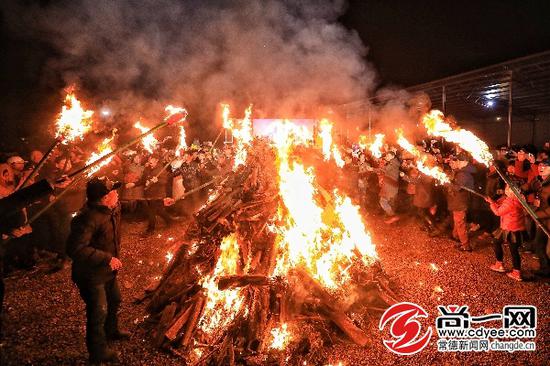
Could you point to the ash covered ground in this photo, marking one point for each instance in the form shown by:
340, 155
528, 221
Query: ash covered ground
45, 319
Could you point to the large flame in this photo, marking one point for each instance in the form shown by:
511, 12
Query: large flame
103, 149
73, 121
149, 142
434, 121
324, 239
222, 306
422, 159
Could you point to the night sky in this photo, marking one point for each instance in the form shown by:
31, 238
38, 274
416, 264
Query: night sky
409, 42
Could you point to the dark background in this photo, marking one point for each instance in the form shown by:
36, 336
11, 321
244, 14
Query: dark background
409, 42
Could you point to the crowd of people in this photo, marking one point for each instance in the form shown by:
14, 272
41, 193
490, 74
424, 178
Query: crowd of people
83, 222
477, 206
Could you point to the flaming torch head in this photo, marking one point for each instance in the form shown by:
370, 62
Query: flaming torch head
73, 121
175, 114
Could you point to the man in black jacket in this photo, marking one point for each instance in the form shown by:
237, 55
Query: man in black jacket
94, 247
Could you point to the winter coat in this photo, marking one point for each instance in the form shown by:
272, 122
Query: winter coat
93, 241
521, 169
458, 199
390, 180
423, 197
511, 213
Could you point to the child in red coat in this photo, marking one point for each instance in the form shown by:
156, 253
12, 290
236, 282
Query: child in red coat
512, 228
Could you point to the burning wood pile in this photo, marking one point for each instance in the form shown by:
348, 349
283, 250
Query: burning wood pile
260, 279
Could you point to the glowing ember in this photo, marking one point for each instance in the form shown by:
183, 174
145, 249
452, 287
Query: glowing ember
103, 149
222, 306
422, 160
434, 121
281, 337
73, 121
169, 257
376, 147
149, 142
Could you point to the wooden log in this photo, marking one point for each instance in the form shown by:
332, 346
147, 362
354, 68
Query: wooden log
226, 282
193, 320
174, 329
165, 321
330, 307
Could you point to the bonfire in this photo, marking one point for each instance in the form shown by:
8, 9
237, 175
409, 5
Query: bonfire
272, 267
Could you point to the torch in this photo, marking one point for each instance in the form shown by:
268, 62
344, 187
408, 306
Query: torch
72, 122
78, 175
173, 118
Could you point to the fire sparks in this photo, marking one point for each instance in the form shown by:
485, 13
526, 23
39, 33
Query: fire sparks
434, 121
104, 148
149, 142
281, 337
422, 160
73, 121
324, 240
376, 147
222, 306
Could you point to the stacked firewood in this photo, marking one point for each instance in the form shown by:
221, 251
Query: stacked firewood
245, 205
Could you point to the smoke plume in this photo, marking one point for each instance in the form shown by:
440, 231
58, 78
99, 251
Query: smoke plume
286, 57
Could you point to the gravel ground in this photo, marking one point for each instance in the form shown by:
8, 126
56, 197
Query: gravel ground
45, 317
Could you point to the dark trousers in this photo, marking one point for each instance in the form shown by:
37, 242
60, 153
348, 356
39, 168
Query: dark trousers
514, 252
102, 303
156, 208
541, 241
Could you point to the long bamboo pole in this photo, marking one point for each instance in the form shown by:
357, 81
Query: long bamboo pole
41, 163
521, 200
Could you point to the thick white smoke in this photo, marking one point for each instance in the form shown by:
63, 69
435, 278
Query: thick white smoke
286, 57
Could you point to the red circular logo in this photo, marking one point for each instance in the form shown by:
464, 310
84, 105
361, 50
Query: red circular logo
405, 329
